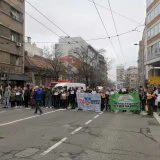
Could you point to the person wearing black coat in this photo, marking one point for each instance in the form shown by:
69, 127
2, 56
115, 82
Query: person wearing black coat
26, 96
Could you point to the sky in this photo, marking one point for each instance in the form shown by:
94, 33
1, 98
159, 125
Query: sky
80, 18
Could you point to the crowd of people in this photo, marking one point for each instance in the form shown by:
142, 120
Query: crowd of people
37, 97
47, 97
149, 99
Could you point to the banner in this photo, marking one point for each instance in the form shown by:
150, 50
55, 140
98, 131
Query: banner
129, 101
88, 101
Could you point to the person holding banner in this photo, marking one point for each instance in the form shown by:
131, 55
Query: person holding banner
150, 101
103, 101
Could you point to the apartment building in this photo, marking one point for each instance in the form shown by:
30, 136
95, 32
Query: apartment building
120, 73
74, 50
152, 58
12, 20
131, 78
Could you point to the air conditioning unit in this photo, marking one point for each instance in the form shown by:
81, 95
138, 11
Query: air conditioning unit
19, 44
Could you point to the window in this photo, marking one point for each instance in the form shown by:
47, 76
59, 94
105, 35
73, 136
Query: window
17, 61
156, 30
154, 13
153, 51
15, 37
15, 14
149, 2
149, 33
153, 31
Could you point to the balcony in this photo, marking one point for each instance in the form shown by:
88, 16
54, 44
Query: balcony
10, 47
10, 23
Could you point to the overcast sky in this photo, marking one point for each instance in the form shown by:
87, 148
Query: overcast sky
79, 18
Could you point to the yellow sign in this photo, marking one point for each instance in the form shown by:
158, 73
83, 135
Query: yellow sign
154, 81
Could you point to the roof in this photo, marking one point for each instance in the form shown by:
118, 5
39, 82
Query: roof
39, 62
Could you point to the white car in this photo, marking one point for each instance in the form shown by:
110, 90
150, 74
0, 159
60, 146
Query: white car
70, 85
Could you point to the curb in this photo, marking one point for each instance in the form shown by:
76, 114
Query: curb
157, 117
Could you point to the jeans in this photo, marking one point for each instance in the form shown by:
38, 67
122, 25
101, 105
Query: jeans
6, 103
48, 102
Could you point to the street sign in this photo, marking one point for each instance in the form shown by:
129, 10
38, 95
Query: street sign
154, 81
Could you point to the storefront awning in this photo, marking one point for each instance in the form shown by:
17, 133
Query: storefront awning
16, 77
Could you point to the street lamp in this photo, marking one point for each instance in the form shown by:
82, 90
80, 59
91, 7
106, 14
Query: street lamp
136, 44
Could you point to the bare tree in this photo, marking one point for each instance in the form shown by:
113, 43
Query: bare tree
55, 65
87, 63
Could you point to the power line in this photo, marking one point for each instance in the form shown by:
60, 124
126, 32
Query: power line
47, 18
51, 21
115, 26
115, 12
87, 40
41, 23
104, 27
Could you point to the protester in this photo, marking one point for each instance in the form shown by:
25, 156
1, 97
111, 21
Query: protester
48, 97
72, 98
26, 96
64, 98
7, 95
107, 101
38, 97
155, 92
32, 98
103, 100
13, 98
143, 97
18, 97
150, 101
56, 98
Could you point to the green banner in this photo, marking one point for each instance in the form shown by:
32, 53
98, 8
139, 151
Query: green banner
121, 102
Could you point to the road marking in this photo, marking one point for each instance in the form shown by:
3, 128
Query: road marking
88, 122
156, 116
101, 113
54, 146
96, 116
3, 112
76, 130
19, 120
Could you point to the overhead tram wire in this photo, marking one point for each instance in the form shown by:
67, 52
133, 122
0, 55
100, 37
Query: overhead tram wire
41, 23
115, 26
115, 12
133, 30
94, 39
51, 21
105, 28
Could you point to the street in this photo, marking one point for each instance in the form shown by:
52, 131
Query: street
77, 135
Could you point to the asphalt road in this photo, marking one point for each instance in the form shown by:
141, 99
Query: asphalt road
77, 135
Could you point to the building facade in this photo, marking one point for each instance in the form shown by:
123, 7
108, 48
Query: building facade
32, 49
131, 78
12, 20
38, 69
120, 73
75, 51
152, 58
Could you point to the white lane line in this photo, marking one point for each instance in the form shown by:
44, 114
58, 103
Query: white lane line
54, 146
3, 112
19, 120
101, 113
76, 130
156, 116
96, 116
88, 122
